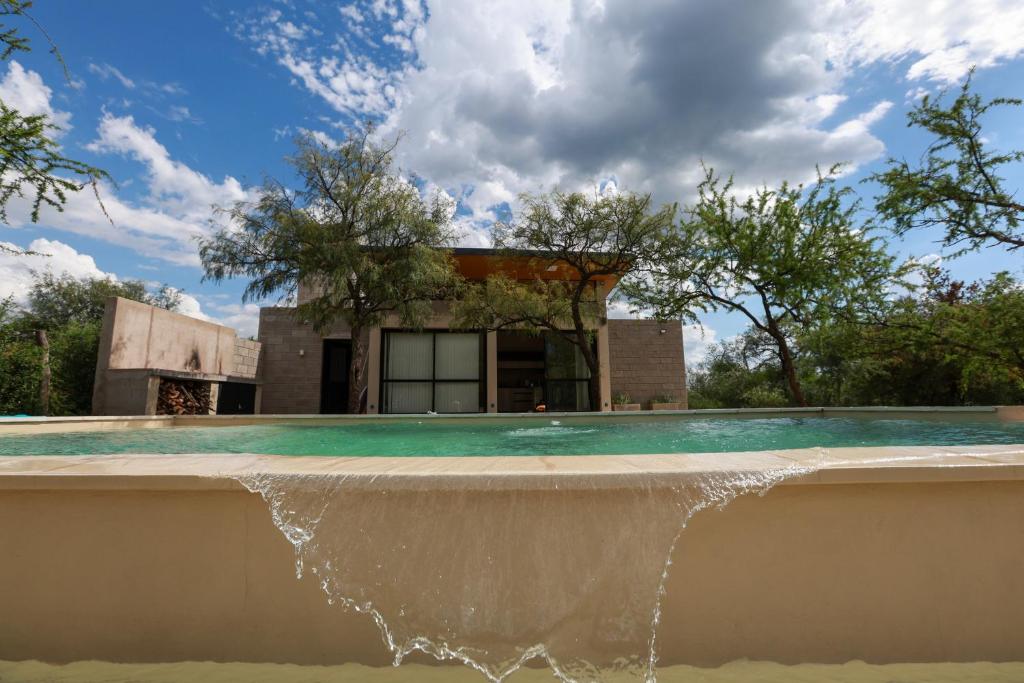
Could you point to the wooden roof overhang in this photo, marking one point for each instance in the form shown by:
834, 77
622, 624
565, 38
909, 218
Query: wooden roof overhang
477, 264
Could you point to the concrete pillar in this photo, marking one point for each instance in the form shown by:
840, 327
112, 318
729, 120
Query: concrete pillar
214, 395
258, 403
373, 361
152, 394
492, 372
605, 367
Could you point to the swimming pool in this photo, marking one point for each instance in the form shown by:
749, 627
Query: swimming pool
554, 541
534, 435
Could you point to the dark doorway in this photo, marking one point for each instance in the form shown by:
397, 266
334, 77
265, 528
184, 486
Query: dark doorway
334, 382
236, 398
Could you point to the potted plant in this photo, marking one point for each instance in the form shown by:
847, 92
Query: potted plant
666, 402
621, 401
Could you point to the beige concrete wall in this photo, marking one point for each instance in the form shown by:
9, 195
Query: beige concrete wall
144, 336
882, 572
646, 358
137, 337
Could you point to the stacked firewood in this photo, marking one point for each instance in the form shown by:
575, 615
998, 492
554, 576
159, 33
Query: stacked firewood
183, 397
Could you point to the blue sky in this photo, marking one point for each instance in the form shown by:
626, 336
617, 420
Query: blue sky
189, 105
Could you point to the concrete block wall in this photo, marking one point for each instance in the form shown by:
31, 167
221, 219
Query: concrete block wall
246, 358
291, 362
646, 358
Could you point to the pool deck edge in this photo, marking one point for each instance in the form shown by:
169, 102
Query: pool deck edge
889, 464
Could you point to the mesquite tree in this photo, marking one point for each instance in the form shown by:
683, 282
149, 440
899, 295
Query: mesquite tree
31, 162
958, 184
356, 232
596, 237
784, 258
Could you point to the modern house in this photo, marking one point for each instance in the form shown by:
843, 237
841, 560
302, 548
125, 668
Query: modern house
447, 371
149, 357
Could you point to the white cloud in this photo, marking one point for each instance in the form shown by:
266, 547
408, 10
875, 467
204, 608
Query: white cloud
939, 39
697, 339
53, 256
244, 318
25, 91
106, 71
352, 12
164, 224
356, 83
62, 259
318, 135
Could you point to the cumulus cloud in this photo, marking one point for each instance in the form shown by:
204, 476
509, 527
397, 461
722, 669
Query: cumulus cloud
164, 223
346, 74
503, 97
697, 339
177, 204
938, 41
25, 91
54, 256
51, 255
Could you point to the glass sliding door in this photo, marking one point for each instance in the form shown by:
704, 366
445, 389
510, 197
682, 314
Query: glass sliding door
438, 371
408, 371
457, 372
566, 375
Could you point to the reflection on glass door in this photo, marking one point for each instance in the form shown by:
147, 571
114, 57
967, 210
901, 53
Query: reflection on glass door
566, 375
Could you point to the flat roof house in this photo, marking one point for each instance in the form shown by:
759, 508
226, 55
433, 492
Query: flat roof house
455, 371
153, 361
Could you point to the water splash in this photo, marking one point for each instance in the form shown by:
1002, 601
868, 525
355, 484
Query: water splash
496, 572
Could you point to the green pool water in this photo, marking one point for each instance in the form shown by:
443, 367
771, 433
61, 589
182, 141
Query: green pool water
524, 437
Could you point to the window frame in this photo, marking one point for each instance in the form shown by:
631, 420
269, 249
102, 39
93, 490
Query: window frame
481, 378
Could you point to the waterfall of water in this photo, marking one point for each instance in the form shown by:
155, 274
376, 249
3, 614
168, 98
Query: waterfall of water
494, 572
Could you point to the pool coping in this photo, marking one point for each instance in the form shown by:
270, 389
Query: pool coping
875, 465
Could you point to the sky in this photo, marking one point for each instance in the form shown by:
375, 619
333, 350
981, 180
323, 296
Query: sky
191, 105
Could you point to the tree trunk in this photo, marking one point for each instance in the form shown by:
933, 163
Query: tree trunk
44, 380
590, 358
790, 369
356, 372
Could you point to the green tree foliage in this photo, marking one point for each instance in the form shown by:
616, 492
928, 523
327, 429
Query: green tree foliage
71, 312
949, 343
595, 237
739, 373
786, 259
958, 184
356, 235
31, 161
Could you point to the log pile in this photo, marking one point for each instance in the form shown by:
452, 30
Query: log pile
183, 397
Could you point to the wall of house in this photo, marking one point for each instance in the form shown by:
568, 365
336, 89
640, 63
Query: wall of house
291, 362
646, 358
246, 358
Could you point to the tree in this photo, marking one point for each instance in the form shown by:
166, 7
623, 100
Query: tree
785, 259
958, 184
597, 237
742, 372
30, 159
57, 301
68, 313
357, 234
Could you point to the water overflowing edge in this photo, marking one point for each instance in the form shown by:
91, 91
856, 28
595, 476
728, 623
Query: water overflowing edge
722, 488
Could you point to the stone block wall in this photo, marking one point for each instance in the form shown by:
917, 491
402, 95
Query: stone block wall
291, 362
246, 359
646, 359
